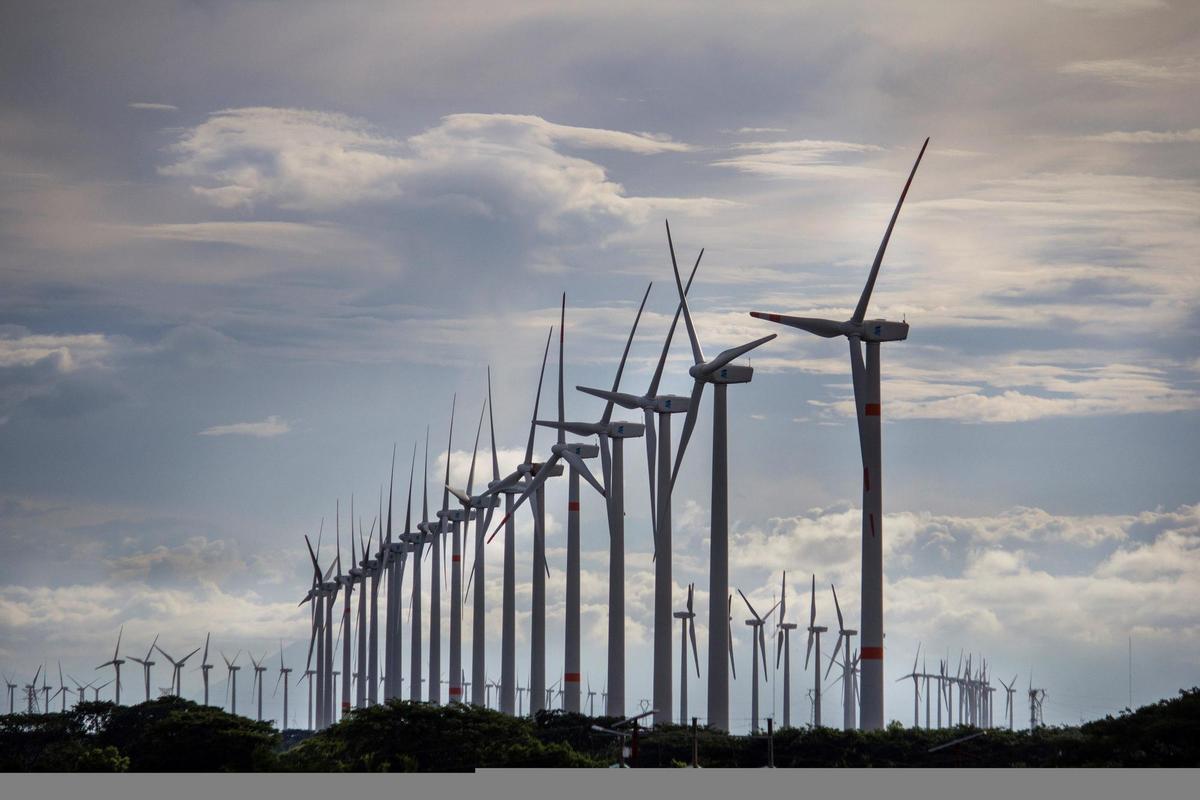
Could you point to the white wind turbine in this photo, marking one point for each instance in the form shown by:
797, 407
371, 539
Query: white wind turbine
784, 649
283, 678
814, 635
865, 376
721, 373
12, 687
373, 567
396, 557
479, 504
461, 518
31, 690
115, 663
146, 665
437, 544
687, 631
916, 679
344, 581
96, 691
759, 643
611, 435
1008, 704
531, 470
848, 695
658, 446
231, 680
358, 576
177, 667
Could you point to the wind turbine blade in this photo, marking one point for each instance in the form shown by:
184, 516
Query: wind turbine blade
204, 657
562, 335
605, 460
651, 437
836, 644
808, 650
747, 602
475, 451
762, 650
461, 496
118, 647
782, 597
692, 636
662, 359
826, 328
537, 400
812, 614
624, 355
337, 524
492, 427
697, 352
837, 607
860, 311
689, 423
778, 648
725, 356
581, 467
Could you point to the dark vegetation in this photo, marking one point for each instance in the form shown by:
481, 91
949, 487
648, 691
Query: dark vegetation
169, 735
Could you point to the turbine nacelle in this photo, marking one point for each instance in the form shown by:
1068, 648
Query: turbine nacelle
668, 404
729, 373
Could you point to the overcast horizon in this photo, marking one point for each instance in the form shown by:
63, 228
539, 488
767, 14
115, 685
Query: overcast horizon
245, 247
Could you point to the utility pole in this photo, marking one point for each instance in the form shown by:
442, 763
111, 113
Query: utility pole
771, 742
695, 745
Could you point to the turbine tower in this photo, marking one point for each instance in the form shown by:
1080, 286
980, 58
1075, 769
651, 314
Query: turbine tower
205, 667
358, 576
814, 635
283, 678
460, 519
784, 649
611, 435
916, 679
344, 581
1008, 704
844, 634
231, 680
115, 662
259, 669
438, 543
721, 373
865, 377
529, 470
759, 644
688, 630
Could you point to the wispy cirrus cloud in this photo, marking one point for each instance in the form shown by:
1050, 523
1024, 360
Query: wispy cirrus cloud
1146, 137
142, 106
263, 429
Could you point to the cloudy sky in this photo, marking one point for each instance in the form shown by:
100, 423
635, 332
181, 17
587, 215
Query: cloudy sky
245, 247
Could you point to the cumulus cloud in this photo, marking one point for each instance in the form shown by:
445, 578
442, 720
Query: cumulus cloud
477, 163
271, 426
56, 375
197, 559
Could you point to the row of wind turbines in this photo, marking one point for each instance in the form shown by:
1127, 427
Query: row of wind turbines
460, 530
526, 483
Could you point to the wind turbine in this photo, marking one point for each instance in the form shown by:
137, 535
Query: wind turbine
844, 636
784, 649
283, 678
231, 680
345, 581
31, 690
308, 674
12, 687
1008, 704
358, 576
460, 518
373, 570
591, 695
177, 667
146, 665
396, 558
759, 645
688, 630
916, 679
865, 377
424, 535
438, 542
96, 691
480, 503
611, 435
814, 635
530, 470
721, 373
62, 689
658, 443
45, 690
116, 663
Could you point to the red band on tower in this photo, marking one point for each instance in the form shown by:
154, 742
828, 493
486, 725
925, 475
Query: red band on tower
873, 410
572, 505
872, 653
571, 677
